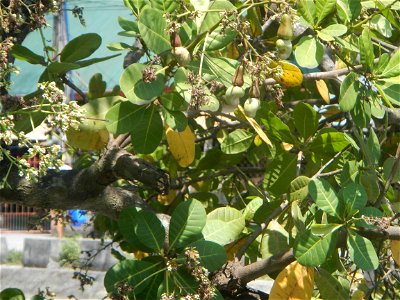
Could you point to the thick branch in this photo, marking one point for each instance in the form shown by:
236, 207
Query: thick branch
89, 188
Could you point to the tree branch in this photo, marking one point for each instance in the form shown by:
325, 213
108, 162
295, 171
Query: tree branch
90, 188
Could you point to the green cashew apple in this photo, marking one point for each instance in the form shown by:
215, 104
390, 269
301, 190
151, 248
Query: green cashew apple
233, 95
251, 106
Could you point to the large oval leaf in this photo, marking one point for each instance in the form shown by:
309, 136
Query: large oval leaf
23, 53
122, 117
152, 27
329, 287
299, 188
129, 272
12, 294
80, 47
187, 222
275, 240
212, 255
355, 197
136, 89
149, 230
305, 119
237, 141
309, 52
219, 232
181, 145
362, 252
291, 76
349, 92
147, 130
325, 197
312, 250
293, 282
233, 217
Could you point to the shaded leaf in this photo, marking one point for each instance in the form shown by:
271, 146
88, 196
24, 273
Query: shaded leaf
237, 141
149, 230
299, 188
325, 197
187, 222
22, 53
328, 286
305, 119
349, 92
80, 47
362, 252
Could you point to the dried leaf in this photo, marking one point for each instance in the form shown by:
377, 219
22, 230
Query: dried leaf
292, 75
181, 145
167, 199
323, 90
232, 51
234, 247
293, 282
256, 127
395, 248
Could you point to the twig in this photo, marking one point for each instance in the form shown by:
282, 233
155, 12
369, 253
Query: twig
316, 175
260, 229
66, 81
330, 173
395, 167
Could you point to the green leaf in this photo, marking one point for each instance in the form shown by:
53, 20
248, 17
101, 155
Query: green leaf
382, 63
187, 222
231, 216
349, 8
147, 130
165, 5
97, 86
213, 15
130, 272
136, 89
280, 172
152, 27
61, 67
355, 197
277, 129
117, 46
325, 197
237, 141
329, 143
122, 117
149, 230
311, 250
212, 255
275, 240
307, 10
219, 232
373, 148
388, 167
127, 222
175, 119
324, 8
323, 229
218, 40
361, 114
299, 188
389, 89
331, 31
349, 92
23, 53
172, 101
128, 25
92, 61
151, 290
12, 294
328, 286
252, 207
393, 67
366, 49
80, 47
382, 25
370, 182
309, 52
362, 252
305, 119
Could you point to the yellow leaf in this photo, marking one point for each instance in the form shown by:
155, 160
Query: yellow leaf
256, 127
358, 295
139, 254
287, 146
232, 51
234, 247
323, 90
395, 248
87, 140
181, 145
167, 199
293, 282
292, 75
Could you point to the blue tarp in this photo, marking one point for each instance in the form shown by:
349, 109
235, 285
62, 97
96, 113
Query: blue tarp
101, 18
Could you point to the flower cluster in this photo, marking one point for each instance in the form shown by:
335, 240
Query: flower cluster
193, 264
62, 115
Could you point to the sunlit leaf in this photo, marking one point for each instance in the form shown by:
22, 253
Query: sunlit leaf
292, 75
181, 145
323, 90
362, 252
293, 282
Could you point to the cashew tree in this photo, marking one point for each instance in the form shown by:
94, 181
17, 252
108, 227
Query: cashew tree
245, 139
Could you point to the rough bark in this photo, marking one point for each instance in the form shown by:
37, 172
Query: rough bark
91, 188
